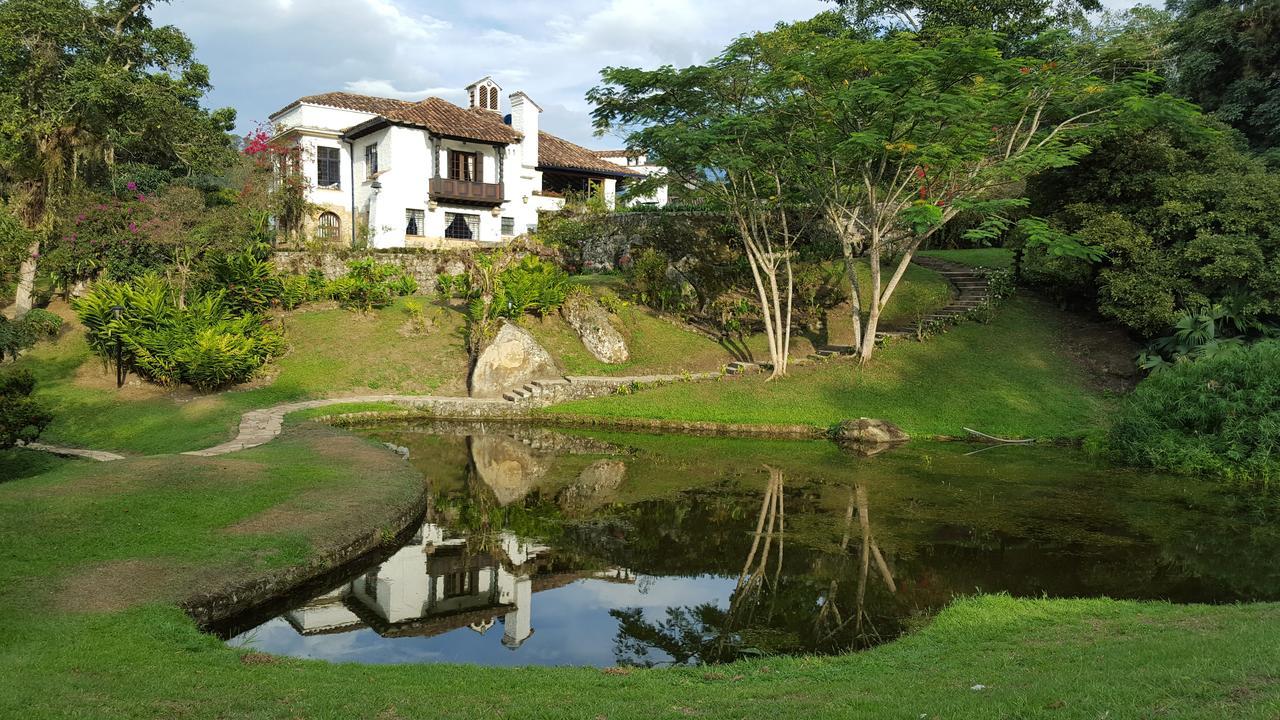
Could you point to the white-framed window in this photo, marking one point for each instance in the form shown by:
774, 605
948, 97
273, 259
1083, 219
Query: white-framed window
414, 221
370, 160
508, 226
461, 226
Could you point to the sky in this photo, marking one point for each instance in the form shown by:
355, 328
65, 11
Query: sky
264, 54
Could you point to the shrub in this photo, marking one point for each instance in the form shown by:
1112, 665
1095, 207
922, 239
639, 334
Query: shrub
649, 273
531, 285
296, 290
43, 323
247, 279
1219, 415
209, 343
18, 335
369, 284
21, 418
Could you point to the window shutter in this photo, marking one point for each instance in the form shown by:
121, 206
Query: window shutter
479, 160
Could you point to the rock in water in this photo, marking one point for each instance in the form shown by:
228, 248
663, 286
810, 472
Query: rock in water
513, 359
591, 322
869, 431
509, 468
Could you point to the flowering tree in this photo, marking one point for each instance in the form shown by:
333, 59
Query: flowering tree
78, 82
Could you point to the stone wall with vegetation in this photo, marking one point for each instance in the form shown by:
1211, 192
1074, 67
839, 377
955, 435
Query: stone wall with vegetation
424, 266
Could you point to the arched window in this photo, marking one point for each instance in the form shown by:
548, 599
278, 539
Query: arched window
493, 98
328, 226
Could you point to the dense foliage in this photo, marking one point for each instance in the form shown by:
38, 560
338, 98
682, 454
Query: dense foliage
88, 89
1227, 60
369, 284
1219, 415
1178, 221
883, 139
205, 342
18, 335
21, 418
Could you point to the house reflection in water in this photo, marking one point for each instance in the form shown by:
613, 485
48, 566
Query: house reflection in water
436, 583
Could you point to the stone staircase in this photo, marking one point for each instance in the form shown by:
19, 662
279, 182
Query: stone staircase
970, 292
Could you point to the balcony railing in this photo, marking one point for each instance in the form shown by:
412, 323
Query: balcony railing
465, 191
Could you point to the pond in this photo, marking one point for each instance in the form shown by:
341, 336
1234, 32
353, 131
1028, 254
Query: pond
553, 547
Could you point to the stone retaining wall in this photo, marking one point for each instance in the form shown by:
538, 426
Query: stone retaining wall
423, 265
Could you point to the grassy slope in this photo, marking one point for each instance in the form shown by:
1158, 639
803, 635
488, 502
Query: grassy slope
1036, 659
659, 346
1005, 377
333, 353
337, 352
978, 257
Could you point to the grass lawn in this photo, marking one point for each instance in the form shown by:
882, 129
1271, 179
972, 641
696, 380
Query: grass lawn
95, 557
332, 353
1006, 377
978, 257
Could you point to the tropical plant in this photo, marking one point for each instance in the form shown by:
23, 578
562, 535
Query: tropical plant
532, 285
78, 81
1218, 415
208, 343
369, 284
247, 279
886, 138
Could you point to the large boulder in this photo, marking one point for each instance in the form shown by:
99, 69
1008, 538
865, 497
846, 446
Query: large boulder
869, 431
591, 321
512, 360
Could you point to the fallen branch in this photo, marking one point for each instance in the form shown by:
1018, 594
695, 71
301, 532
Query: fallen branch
993, 438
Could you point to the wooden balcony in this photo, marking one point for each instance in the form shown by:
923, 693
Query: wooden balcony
464, 191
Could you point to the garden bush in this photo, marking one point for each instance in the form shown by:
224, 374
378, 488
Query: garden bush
18, 335
1218, 415
531, 285
369, 284
21, 418
248, 280
209, 343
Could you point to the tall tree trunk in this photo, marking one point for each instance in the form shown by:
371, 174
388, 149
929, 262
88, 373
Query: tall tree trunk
24, 298
851, 272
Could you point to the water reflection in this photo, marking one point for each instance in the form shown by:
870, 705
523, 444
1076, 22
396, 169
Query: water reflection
550, 548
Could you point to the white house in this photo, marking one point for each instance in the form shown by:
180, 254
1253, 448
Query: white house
637, 162
433, 174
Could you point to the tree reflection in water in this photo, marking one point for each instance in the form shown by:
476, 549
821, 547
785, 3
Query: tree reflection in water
707, 633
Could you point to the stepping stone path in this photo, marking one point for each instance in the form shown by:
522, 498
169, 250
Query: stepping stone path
98, 455
971, 291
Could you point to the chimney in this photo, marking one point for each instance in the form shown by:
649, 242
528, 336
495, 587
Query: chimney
524, 118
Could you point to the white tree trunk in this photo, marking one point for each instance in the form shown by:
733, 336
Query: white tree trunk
24, 298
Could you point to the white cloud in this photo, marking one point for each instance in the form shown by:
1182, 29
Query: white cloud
263, 56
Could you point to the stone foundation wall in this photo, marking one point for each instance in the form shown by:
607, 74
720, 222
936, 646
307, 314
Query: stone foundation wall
424, 266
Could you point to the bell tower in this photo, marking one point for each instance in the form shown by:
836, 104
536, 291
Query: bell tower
485, 94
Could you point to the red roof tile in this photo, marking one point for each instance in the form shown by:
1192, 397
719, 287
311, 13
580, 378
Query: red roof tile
554, 152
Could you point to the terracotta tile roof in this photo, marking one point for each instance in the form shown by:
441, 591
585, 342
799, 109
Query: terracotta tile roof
614, 153
554, 152
444, 118
347, 101
439, 116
